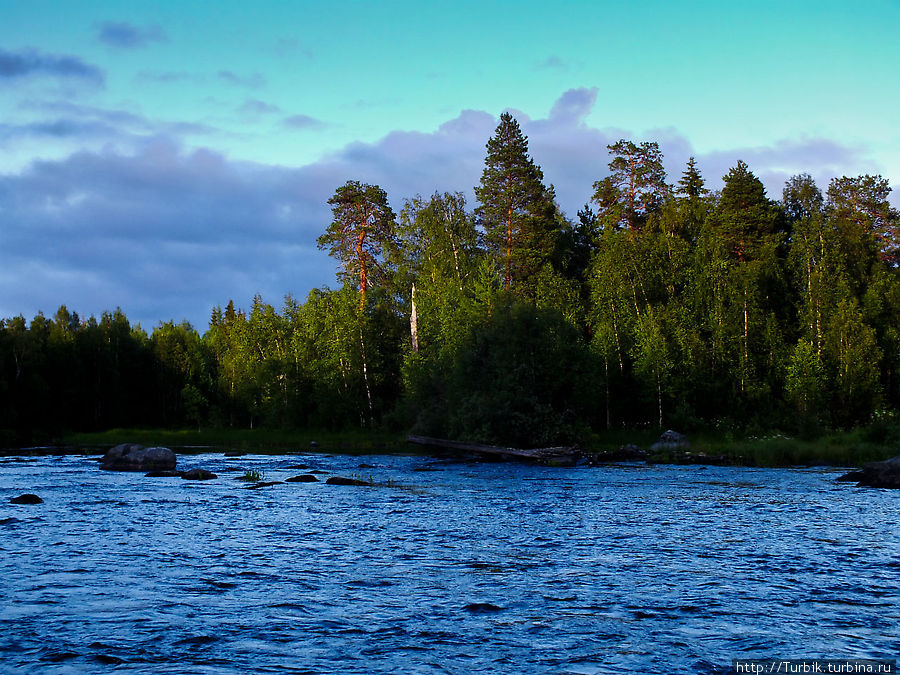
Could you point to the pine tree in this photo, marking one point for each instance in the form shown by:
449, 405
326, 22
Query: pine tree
635, 188
516, 210
361, 234
861, 208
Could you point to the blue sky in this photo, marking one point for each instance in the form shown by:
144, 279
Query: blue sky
166, 157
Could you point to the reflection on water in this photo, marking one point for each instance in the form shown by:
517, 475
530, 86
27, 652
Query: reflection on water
459, 568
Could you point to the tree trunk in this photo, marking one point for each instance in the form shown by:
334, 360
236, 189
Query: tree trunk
365, 371
414, 322
606, 385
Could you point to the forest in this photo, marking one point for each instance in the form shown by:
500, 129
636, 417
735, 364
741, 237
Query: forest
662, 304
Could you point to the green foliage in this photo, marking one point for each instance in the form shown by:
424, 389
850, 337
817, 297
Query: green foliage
522, 378
635, 188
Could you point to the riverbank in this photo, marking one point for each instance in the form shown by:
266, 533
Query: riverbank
836, 448
843, 448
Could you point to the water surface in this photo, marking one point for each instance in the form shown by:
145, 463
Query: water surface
447, 567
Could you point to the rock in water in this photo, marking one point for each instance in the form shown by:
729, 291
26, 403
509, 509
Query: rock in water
133, 457
884, 474
339, 480
482, 607
304, 478
26, 499
198, 474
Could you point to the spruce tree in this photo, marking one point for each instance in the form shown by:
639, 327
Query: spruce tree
691, 185
516, 210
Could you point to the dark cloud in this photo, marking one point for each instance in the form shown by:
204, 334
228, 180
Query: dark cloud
122, 35
252, 81
27, 62
302, 122
163, 233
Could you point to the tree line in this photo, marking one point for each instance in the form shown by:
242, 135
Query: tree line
662, 304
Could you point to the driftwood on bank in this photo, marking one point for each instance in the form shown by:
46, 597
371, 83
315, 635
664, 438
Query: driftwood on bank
560, 455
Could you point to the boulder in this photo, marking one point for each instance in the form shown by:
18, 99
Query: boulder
884, 474
198, 474
671, 441
304, 478
133, 457
27, 498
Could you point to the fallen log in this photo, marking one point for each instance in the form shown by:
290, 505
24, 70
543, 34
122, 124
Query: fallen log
556, 456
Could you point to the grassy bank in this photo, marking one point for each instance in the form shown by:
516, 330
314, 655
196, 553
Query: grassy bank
852, 447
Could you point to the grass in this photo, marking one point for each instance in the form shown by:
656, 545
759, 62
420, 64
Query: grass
852, 447
253, 476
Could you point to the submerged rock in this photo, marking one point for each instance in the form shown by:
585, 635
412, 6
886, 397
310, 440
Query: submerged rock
263, 484
481, 607
134, 457
163, 474
27, 498
198, 474
339, 480
305, 478
884, 474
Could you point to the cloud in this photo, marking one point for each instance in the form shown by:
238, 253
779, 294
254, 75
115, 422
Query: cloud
163, 233
122, 35
252, 81
551, 63
302, 122
168, 77
68, 120
29, 62
285, 47
254, 106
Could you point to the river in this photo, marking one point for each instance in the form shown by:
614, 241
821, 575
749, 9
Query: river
441, 567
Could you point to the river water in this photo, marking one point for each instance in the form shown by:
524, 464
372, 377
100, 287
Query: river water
441, 567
